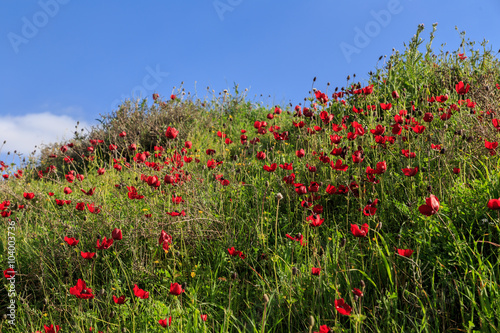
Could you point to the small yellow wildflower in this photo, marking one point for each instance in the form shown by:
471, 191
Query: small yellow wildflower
193, 274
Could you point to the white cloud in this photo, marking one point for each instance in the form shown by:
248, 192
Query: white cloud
23, 133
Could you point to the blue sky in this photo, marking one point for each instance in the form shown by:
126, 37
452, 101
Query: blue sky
65, 61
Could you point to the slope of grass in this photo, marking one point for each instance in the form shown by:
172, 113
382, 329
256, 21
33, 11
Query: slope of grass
248, 234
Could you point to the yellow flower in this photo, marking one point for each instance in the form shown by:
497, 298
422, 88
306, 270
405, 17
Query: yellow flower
144, 209
193, 274
156, 261
200, 211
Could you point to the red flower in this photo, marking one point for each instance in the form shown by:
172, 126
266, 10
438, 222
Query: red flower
176, 289
116, 234
405, 252
89, 192
315, 271
316, 221
387, 106
71, 241
490, 145
80, 206
342, 307
165, 322
81, 290
461, 90
164, 237
442, 98
28, 196
119, 300
132, 194
177, 199
122, 134
270, 168
106, 243
261, 155
93, 209
300, 153
462, 56
299, 238
494, 204
9, 273
418, 129
70, 178
370, 209
87, 255
339, 166
171, 133
140, 293
101, 171
204, 317
112, 147
456, 171
409, 172
428, 117
359, 232
50, 329
357, 292
395, 95
431, 207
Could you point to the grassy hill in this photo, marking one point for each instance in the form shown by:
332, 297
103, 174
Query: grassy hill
368, 208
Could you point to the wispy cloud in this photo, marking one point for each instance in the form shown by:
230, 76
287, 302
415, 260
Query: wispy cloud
23, 133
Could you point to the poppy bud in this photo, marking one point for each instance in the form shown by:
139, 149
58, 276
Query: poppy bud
356, 298
279, 196
429, 188
295, 271
266, 299
442, 151
342, 242
111, 314
362, 283
379, 226
103, 292
184, 285
267, 183
234, 276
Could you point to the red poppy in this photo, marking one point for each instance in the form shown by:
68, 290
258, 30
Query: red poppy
81, 290
299, 238
165, 322
386, 107
119, 300
71, 241
116, 234
132, 194
106, 243
270, 168
171, 133
300, 189
261, 155
89, 192
494, 204
418, 129
87, 255
51, 328
176, 289
359, 232
342, 307
490, 145
315, 271
456, 171
93, 209
431, 207
177, 199
140, 292
300, 153
442, 98
101, 171
70, 178
9, 273
316, 221
357, 292
410, 172
395, 95
204, 317
461, 89
370, 209
405, 252
339, 166
164, 237
80, 206
28, 196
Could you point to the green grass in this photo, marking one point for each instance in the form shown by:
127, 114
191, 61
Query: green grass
450, 282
